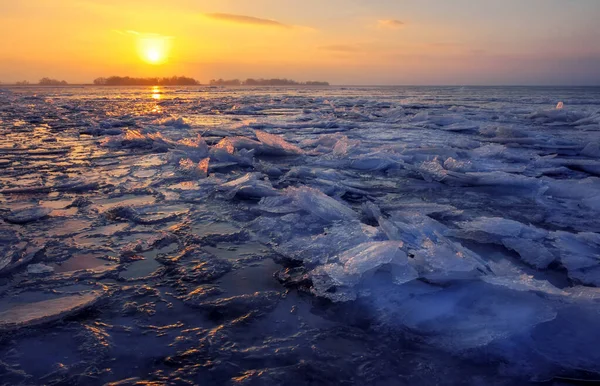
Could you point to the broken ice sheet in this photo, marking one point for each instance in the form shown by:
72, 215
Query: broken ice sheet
369, 197
31, 309
350, 267
27, 215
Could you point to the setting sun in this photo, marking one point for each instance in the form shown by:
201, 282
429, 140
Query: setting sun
154, 49
153, 56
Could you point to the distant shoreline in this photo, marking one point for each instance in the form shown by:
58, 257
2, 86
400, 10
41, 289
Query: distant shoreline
170, 86
75, 85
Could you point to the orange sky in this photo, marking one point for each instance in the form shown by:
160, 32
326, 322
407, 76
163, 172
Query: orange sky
344, 42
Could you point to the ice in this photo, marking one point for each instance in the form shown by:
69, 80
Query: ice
176, 122
246, 234
315, 202
16, 252
580, 255
344, 146
139, 215
195, 149
276, 145
135, 139
337, 279
318, 248
39, 269
527, 241
27, 314
473, 315
496, 226
252, 185
563, 340
532, 252
239, 142
190, 168
27, 215
524, 283
225, 152
238, 306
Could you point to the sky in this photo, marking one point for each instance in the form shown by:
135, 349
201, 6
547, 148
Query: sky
358, 42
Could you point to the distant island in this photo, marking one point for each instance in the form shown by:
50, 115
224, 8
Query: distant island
52, 82
42, 82
175, 81
186, 81
264, 82
129, 81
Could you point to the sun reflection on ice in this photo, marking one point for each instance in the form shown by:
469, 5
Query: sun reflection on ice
156, 93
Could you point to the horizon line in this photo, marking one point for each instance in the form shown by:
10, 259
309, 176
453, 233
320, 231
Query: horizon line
305, 85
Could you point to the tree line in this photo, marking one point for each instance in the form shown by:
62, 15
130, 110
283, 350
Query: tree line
264, 82
177, 81
43, 82
129, 81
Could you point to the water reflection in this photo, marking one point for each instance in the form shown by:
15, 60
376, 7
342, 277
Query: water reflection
157, 96
156, 92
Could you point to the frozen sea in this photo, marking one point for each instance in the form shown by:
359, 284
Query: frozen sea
299, 236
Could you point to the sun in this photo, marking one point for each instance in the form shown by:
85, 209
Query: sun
153, 56
154, 49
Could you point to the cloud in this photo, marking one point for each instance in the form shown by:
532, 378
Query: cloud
390, 23
243, 19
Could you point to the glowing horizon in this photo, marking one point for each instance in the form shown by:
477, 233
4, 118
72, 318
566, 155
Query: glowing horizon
343, 42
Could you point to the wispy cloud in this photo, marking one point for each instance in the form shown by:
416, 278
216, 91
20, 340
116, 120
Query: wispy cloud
244, 19
390, 23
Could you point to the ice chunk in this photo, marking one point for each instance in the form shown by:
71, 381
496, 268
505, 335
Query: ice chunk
524, 283
440, 260
145, 215
319, 204
532, 252
27, 215
188, 167
435, 257
224, 151
135, 139
580, 255
15, 253
70, 185
246, 143
344, 146
225, 145
249, 186
317, 249
496, 226
528, 241
237, 306
473, 315
278, 204
39, 269
337, 279
592, 150
27, 314
276, 145
196, 149
374, 161
173, 121
457, 166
